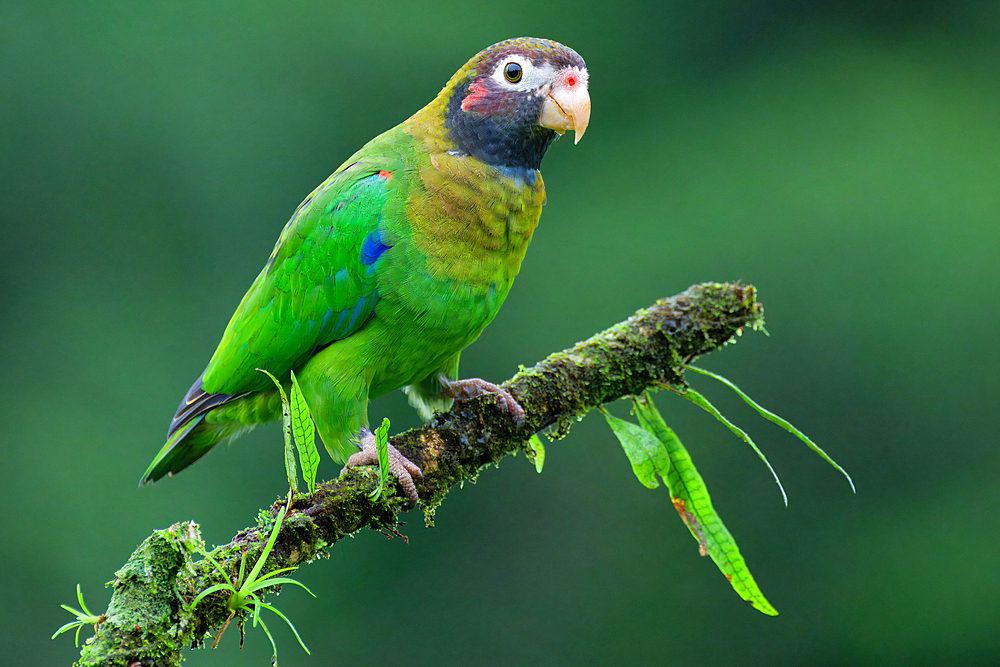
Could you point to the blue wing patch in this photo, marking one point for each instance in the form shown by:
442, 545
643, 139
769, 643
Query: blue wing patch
320, 284
372, 247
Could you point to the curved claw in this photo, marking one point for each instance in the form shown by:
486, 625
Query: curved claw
464, 390
401, 467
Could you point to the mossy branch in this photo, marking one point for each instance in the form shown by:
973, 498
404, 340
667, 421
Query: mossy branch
150, 620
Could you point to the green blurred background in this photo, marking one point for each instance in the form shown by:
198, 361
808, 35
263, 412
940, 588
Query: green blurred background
842, 156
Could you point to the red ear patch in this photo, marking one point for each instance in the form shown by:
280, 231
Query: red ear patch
477, 92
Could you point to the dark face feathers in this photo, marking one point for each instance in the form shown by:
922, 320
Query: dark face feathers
493, 113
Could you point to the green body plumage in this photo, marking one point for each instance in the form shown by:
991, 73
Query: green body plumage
383, 275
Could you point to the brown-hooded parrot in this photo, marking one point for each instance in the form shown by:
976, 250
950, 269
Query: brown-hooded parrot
396, 263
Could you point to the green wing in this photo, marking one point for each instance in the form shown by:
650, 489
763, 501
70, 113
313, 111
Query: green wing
318, 286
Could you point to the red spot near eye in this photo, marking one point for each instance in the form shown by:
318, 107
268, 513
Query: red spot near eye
570, 80
477, 92
384, 174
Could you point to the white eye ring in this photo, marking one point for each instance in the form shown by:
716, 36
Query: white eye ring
531, 77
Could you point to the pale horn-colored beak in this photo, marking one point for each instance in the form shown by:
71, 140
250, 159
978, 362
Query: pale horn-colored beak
567, 106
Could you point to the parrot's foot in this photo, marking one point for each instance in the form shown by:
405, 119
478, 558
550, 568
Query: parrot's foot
401, 467
463, 390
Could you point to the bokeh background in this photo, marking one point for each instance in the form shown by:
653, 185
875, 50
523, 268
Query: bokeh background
843, 156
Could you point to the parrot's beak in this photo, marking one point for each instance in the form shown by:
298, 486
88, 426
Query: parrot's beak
567, 106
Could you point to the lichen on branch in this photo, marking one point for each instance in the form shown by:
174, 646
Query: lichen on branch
150, 619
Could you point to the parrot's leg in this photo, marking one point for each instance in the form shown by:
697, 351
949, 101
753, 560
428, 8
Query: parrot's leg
401, 467
464, 390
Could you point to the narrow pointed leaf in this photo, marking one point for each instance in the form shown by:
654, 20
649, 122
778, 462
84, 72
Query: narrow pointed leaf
274, 573
305, 435
211, 589
286, 427
243, 567
290, 470
281, 581
76, 612
218, 568
267, 547
702, 402
64, 628
83, 617
79, 597
770, 416
644, 451
285, 618
69, 626
694, 505
274, 647
382, 447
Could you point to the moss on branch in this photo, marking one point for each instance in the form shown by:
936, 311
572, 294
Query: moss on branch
150, 620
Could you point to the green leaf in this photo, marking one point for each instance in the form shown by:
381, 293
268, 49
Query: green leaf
285, 618
83, 617
701, 401
69, 626
246, 598
305, 435
646, 453
286, 420
243, 568
535, 451
290, 470
767, 414
382, 447
274, 647
694, 505
212, 589
274, 573
218, 568
281, 581
252, 577
83, 605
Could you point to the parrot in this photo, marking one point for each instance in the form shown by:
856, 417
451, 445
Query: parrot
394, 265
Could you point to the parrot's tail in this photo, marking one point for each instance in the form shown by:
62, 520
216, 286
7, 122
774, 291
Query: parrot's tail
177, 455
191, 436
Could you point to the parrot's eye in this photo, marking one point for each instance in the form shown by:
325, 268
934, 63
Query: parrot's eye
512, 72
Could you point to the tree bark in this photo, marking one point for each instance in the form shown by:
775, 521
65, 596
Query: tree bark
150, 619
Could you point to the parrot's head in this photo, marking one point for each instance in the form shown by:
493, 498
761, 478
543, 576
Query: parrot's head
511, 100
